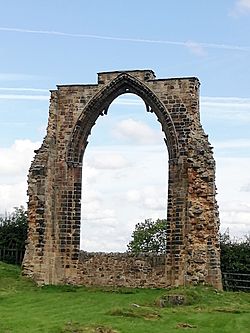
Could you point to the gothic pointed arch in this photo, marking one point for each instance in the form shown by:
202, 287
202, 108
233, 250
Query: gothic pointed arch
99, 104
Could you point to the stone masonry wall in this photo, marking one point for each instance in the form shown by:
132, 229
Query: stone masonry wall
55, 180
122, 270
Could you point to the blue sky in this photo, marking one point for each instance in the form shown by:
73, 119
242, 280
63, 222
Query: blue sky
45, 43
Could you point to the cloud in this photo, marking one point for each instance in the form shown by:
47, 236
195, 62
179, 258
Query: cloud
244, 4
93, 196
25, 89
108, 221
96, 216
133, 196
149, 197
245, 188
14, 164
231, 175
128, 101
108, 160
137, 132
24, 97
227, 108
100, 229
185, 44
103, 239
15, 160
12, 195
110, 211
90, 174
229, 144
241, 7
196, 48
226, 102
235, 216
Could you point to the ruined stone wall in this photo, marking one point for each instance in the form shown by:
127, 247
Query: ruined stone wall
122, 270
55, 178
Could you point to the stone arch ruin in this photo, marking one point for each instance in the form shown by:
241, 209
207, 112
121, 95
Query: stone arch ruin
54, 187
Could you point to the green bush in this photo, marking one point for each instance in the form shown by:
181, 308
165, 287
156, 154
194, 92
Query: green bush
235, 254
13, 235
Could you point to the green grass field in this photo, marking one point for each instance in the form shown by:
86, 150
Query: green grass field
66, 309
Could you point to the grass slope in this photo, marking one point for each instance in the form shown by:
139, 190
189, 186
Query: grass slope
26, 308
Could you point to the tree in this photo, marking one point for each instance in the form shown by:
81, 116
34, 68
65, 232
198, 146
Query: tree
13, 234
149, 236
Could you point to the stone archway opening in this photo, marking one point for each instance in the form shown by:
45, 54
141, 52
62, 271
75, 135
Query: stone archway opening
125, 171
55, 180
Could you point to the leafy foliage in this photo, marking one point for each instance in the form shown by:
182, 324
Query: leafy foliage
13, 233
13, 229
235, 254
149, 236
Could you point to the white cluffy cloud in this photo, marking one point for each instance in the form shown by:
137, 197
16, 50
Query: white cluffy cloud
14, 164
235, 217
149, 197
125, 192
137, 132
15, 160
232, 178
108, 160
